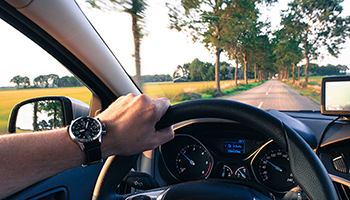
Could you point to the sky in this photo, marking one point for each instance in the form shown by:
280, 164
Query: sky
162, 49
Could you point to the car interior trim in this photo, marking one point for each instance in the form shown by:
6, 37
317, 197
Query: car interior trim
340, 180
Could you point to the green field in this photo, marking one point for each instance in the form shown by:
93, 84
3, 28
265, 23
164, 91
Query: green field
10, 98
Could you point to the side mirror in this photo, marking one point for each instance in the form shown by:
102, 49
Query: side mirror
45, 113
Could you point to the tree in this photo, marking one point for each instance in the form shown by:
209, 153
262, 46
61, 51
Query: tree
320, 26
16, 80
25, 81
206, 20
136, 8
286, 49
262, 56
20, 80
41, 81
248, 44
182, 71
235, 34
52, 78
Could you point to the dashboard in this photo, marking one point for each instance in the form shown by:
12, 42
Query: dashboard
226, 151
216, 149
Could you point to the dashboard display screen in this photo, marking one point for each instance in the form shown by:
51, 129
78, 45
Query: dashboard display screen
234, 146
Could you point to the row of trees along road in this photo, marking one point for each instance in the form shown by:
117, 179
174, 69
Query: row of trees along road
202, 71
46, 81
205, 71
307, 28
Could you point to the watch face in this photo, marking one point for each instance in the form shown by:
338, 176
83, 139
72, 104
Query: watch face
85, 129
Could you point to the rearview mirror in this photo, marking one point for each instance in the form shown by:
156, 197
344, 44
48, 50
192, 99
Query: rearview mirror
45, 113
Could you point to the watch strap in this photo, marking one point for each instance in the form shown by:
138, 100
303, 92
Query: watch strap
93, 152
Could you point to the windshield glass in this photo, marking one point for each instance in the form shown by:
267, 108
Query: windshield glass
270, 54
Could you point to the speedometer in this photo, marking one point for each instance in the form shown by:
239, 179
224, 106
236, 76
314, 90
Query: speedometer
193, 162
274, 170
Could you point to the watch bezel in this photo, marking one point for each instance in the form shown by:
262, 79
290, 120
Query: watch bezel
82, 140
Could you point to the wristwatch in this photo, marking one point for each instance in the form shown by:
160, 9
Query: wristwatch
87, 133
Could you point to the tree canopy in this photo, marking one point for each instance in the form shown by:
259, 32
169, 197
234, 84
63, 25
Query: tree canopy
320, 26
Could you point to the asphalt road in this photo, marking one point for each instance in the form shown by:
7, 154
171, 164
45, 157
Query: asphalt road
274, 94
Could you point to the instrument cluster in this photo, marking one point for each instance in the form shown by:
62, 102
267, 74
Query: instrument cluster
238, 154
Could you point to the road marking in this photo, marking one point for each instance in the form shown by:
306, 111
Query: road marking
260, 104
267, 93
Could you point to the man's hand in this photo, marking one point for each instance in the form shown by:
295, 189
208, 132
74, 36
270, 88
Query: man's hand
130, 125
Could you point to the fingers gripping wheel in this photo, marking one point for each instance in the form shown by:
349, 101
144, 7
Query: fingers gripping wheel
307, 169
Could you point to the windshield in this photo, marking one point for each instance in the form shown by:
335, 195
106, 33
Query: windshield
262, 54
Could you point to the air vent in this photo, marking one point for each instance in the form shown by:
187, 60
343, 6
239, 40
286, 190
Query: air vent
340, 165
54, 194
343, 191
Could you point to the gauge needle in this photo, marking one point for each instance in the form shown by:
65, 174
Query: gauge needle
276, 167
191, 161
242, 174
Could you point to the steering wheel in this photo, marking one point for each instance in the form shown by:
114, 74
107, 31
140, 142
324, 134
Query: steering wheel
307, 169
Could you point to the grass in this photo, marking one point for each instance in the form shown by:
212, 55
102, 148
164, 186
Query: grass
176, 92
206, 89
311, 90
9, 98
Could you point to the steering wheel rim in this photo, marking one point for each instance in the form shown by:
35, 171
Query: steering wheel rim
307, 169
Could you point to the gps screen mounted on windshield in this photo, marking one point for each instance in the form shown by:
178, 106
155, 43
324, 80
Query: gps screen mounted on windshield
335, 96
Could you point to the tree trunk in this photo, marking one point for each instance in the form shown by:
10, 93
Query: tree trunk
35, 117
293, 72
286, 73
299, 73
306, 59
280, 75
136, 35
259, 73
217, 70
236, 70
255, 72
245, 67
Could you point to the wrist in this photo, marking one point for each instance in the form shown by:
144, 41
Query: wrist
87, 133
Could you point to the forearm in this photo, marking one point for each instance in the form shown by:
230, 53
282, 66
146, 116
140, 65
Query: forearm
31, 157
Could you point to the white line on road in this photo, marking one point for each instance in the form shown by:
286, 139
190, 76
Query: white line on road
260, 104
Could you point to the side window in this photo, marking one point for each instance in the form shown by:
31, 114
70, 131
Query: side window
27, 71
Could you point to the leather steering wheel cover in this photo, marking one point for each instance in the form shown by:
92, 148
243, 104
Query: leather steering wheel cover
307, 169
112, 173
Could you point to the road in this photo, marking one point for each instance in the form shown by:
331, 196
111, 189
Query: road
274, 94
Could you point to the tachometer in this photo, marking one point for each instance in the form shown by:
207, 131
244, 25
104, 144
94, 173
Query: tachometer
274, 170
193, 162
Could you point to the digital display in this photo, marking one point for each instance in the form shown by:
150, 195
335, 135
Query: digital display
234, 146
337, 96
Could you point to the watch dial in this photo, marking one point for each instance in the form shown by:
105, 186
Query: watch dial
86, 128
